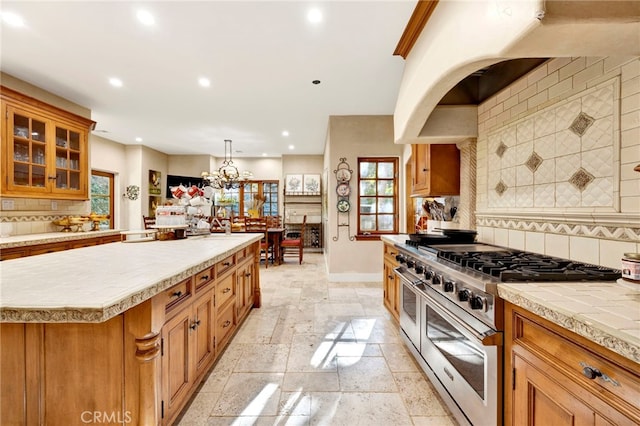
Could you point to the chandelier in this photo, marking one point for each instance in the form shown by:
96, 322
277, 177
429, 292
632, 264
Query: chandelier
227, 176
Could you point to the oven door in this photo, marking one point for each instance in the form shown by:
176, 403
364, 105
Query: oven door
410, 308
466, 357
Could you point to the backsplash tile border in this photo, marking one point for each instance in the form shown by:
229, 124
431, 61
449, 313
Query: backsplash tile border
612, 232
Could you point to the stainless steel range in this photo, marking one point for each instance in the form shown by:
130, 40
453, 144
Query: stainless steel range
451, 316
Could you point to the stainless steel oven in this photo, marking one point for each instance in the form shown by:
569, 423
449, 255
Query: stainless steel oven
466, 357
458, 336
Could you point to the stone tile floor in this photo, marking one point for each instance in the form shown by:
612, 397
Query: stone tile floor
316, 353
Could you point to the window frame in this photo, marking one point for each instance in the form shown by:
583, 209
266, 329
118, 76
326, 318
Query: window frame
242, 210
375, 234
111, 178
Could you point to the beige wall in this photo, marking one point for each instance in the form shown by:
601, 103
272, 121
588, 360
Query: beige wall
108, 156
352, 137
543, 211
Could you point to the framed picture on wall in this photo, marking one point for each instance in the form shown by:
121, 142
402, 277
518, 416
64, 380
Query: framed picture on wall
154, 202
293, 184
154, 182
311, 184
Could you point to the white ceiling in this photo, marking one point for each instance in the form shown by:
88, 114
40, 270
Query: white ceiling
261, 58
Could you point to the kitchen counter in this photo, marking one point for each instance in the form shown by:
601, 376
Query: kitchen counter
607, 313
51, 237
94, 284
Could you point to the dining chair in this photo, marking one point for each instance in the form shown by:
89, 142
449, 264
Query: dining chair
295, 245
148, 221
259, 224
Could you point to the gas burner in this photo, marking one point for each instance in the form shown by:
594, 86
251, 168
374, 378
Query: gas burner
516, 266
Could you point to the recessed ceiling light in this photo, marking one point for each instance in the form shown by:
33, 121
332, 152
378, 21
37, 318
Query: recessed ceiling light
285, 133
264, 154
115, 82
12, 19
145, 17
138, 139
204, 82
314, 16
291, 147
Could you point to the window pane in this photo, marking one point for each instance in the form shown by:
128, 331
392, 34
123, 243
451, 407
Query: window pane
368, 223
385, 222
367, 187
385, 171
385, 205
385, 187
367, 205
367, 170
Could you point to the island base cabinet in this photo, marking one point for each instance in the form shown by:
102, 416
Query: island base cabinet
46, 361
557, 377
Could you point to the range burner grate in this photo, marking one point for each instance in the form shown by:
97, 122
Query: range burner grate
515, 265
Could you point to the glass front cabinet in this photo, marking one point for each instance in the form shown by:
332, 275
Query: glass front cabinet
45, 150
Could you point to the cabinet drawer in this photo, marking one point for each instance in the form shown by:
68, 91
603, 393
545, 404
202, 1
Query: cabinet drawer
242, 254
225, 265
203, 278
178, 294
225, 324
573, 359
390, 251
225, 290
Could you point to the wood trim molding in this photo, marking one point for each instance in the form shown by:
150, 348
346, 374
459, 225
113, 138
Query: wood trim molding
418, 20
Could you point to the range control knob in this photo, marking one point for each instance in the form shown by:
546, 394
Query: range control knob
401, 258
449, 286
478, 303
411, 263
464, 295
428, 274
419, 269
437, 279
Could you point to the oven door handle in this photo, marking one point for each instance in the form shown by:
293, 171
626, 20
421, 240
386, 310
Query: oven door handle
401, 272
489, 337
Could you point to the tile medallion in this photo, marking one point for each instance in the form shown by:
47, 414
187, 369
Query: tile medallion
559, 153
581, 124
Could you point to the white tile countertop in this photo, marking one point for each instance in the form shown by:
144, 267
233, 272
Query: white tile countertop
51, 237
94, 284
607, 313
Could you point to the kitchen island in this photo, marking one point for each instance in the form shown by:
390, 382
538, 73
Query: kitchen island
120, 333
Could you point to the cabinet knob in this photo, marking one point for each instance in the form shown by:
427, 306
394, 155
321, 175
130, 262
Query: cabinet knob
176, 294
248, 274
226, 263
226, 324
425, 170
195, 325
204, 277
226, 290
591, 373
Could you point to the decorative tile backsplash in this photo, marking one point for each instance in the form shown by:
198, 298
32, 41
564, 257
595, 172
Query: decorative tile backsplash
561, 156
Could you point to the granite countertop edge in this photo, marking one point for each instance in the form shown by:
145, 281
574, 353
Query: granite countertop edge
573, 321
97, 314
52, 237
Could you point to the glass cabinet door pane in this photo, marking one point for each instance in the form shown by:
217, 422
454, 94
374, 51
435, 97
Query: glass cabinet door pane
38, 131
21, 174
74, 180
37, 176
61, 179
74, 140
61, 137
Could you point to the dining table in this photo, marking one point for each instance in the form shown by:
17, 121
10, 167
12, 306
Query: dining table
275, 236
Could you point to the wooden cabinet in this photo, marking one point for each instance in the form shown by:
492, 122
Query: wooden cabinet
23, 251
435, 170
560, 378
45, 150
391, 282
245, 278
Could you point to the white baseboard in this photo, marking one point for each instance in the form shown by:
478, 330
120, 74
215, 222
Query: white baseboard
355, 277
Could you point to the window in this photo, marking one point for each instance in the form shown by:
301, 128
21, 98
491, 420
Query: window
377, 196
102, 196
244, 197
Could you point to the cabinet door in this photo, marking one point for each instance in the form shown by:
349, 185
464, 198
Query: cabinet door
26, 152
70, 160
177, 371
539, 400
391, 290
203, 333
244, 289
420, 168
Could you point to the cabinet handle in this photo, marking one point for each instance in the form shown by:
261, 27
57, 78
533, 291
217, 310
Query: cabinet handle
204, 277
390, 277
195, 325
425, 170
592, 373
226, 263
226, 290
52, 177
176, 294
247, 274
226, 324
